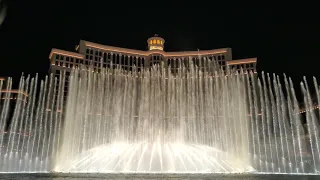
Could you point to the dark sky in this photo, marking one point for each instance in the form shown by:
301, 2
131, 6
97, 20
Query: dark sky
283, 41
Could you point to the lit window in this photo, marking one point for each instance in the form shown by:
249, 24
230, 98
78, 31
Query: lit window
158, 41
154, 41
150, 42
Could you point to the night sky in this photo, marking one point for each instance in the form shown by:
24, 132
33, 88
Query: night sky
283, 42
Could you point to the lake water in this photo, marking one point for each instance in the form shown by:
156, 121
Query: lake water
155, 176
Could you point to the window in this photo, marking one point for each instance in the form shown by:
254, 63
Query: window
61, 57
104, 57
67, 59
57, 56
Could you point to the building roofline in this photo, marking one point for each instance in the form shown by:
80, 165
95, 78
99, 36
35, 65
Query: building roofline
242, 61
65, 53
16, 91
147, 53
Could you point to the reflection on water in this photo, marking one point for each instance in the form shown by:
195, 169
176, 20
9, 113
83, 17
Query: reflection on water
157, 176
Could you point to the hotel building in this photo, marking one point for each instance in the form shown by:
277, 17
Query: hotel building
102, 56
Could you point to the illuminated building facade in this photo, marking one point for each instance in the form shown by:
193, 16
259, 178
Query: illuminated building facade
102, 56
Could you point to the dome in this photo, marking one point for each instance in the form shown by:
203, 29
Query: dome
155, 43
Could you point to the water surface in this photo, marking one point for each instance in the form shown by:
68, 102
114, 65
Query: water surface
158, 176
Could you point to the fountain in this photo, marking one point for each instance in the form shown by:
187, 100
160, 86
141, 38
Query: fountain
157, 120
